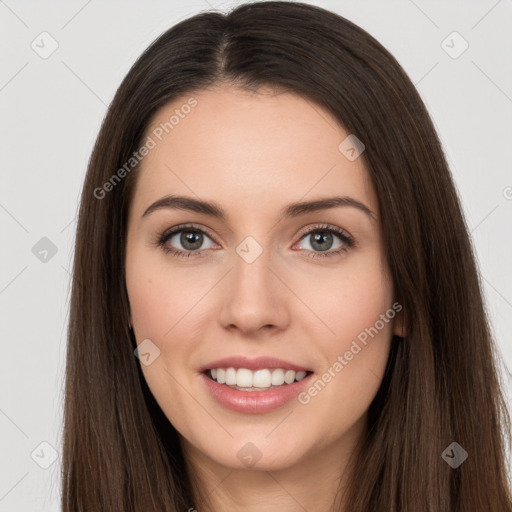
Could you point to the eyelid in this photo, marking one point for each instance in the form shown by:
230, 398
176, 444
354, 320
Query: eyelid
323, 226
188, 225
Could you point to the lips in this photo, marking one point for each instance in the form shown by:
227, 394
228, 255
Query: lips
254, 402
254, 364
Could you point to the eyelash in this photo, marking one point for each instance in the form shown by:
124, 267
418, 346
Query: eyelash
163, 237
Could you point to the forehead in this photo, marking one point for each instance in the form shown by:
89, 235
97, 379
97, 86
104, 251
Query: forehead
254, 149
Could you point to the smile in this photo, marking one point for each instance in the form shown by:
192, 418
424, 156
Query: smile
264, 379
252, 399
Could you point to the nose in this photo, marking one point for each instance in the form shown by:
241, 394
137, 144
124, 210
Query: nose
254, 297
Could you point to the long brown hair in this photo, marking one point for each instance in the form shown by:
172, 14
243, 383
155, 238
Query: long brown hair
442, 381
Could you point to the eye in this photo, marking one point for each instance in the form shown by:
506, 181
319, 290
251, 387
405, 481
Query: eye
322, 239
192, 238
189, 237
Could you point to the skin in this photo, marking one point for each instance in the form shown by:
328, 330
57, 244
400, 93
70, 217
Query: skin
254, 153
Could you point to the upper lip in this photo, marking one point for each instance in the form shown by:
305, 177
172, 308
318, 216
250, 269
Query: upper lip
257, 363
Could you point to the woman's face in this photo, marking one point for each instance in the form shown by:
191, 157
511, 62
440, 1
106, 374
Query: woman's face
258, 282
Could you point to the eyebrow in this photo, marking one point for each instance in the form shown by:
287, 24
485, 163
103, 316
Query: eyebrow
292, 210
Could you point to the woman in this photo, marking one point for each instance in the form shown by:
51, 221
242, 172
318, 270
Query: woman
275, 301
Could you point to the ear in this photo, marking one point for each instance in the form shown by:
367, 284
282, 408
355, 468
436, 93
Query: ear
398, 324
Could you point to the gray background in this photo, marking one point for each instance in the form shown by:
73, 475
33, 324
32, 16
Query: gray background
51, 110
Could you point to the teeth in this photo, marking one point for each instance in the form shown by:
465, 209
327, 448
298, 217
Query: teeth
260, 379
243, 377
221, 376
289, 376
300, 375
231, 377
277, 377
264, 378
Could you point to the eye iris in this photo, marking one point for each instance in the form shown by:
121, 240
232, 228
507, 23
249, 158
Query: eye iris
191, 237
320, 238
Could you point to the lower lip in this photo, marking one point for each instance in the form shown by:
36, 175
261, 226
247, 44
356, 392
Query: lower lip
255, 402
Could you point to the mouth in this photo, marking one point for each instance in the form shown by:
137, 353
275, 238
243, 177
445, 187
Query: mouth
254, 385
255, 391
264, 379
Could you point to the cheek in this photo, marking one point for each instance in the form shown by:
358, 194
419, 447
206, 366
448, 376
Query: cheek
351, 300
166, 308
356, 306
148, 305
158, 308
157, 298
